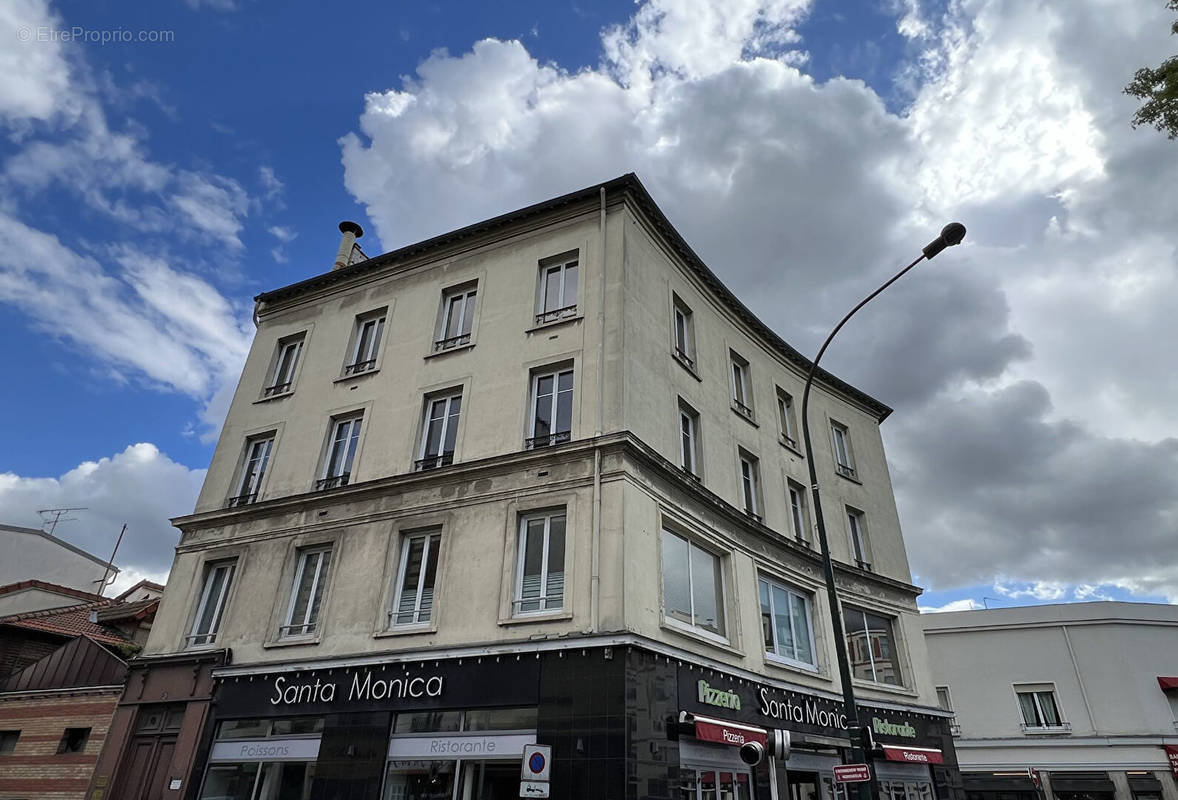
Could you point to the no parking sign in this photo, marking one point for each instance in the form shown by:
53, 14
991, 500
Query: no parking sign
537, 764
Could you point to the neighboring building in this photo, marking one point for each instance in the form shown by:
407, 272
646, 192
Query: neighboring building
32, 554
35, 595
536, 480
1085, 695
55, 709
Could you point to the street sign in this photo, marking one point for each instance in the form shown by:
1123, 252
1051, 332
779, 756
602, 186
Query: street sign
533, 788
852, 773
537, 766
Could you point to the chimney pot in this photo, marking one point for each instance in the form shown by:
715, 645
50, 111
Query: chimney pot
349, 233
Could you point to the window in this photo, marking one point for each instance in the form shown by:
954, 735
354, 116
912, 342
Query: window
439, 431
366, 344
785, 418
558, 290
857, 530
742, 399
1038, 707
684, 331
552, 408
750, 484
306, 595
841, 437
414, 598
943, 698
457, 318
285, 363
798, 519
257, 456
341, 452
871, 645
73, 740
693, 587
785, 622
540, 583
688, 439
218, 578
8, 741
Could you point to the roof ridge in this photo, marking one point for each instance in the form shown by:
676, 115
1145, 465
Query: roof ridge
52, 612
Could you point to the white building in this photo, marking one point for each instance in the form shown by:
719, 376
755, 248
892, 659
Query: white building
1083, 694
39, 571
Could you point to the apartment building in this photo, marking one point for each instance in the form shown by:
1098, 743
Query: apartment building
537, 480
1061, 702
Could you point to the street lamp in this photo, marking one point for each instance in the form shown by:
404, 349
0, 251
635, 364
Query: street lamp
860, 735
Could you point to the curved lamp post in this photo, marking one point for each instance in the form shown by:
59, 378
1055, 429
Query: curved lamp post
860, 735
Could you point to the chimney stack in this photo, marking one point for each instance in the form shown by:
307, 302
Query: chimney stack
350, 233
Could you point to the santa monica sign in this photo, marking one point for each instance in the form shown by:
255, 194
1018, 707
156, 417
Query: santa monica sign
370, 688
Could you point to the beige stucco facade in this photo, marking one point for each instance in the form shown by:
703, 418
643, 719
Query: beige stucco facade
618, 478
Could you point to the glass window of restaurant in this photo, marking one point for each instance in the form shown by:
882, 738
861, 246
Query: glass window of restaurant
263, 759
458, 755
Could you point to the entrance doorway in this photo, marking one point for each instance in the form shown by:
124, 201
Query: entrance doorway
490, 780
803, 786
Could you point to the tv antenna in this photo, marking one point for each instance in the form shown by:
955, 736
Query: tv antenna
52, 516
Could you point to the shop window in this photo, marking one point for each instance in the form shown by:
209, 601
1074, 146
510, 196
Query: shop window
415, 579
428, 722
73, 740
288, 780
218, 579
265, 728
502, 719
540, 577
871, 644
429, 780
693, 586
306, 596
786, 623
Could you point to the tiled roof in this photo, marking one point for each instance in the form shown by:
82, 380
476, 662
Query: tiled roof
143, 584
56, 588
133, 611
71, 622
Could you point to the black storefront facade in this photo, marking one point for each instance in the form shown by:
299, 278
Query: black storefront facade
623, 722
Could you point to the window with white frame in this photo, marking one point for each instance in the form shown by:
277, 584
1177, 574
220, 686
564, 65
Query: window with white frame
786, 621
310, 581
798, 518
439, 431
742, 398
286, 361
871, 645
341, 452
539, 583
684, 332
857, 531
1039, 708
693, 585
844, 462
750, 484
558, 289
552, 408
413, 601
943, 700
210, 604
785, 418
688, 439
366, 343
253, 469
457, 317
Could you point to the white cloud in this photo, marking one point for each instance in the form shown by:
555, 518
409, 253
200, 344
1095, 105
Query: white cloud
1036, 590
965, 604
1028, 368
34, 76
139, 486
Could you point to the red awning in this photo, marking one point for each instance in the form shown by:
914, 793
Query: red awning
913, 755
1167, 683
722, 731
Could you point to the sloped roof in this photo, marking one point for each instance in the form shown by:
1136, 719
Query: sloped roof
61, 543
145, 585
55, 588
72, 622
140, 609
79, 663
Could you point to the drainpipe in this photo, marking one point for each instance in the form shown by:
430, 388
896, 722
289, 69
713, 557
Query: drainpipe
595, 575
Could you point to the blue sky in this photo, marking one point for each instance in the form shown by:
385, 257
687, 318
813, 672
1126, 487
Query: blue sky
829, 136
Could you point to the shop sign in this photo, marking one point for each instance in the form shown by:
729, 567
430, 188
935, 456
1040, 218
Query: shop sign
370, 688
913, 755
717, 697
727, 733
885, 728
511, 745
803, 711
1172, 755
304, 749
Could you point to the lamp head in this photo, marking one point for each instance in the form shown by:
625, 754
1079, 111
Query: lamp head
951, 234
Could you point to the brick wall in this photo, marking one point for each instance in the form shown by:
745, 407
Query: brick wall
19, 648
34, 769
